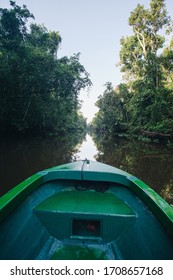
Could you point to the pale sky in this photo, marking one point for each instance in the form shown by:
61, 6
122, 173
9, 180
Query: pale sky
93, 28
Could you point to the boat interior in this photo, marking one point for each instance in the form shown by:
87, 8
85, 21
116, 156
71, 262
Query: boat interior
65, 219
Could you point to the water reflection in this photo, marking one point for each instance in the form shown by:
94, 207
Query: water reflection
20, 158
87, 149
152, 163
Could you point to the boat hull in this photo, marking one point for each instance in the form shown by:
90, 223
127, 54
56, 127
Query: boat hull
85, 210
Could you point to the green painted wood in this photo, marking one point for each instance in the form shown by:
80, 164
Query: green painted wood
90, 202
24, 236
92, 171
147, 232
74, 252
18, 194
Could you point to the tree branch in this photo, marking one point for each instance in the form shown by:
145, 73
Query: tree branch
142, 42
27, 108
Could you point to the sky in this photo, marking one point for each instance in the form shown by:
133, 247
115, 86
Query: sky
92, 28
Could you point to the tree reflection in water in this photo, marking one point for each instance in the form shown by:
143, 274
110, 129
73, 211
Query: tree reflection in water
152, 163
20, 158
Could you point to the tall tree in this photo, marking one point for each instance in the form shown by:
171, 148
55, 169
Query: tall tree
142, 64
13, 28
145, 101
113, 114
38, 91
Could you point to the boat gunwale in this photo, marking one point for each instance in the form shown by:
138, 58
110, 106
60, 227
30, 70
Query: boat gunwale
160, 208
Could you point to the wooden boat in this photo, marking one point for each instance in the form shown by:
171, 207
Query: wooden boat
85, 210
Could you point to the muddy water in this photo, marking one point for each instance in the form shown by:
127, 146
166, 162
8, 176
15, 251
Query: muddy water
152, 163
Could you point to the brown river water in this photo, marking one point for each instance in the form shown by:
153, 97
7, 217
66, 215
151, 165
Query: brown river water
152, 163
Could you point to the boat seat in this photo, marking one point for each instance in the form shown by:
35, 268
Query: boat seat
87, 214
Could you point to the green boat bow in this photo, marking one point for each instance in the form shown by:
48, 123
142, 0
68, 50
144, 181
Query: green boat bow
85, 210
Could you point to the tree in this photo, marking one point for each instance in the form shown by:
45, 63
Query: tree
112, 115
145, 101
39, 92
142, 64
39, 37
13, 29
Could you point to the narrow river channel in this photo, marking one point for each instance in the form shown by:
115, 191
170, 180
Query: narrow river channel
87, 149
152, 163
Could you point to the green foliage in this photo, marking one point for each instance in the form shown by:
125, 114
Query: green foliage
112, 115
38, 92
13, 28
145, 101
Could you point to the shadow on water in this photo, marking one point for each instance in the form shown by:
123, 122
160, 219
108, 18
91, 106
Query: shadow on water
21, 158
152, 163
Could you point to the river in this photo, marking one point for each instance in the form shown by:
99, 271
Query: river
152, 163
